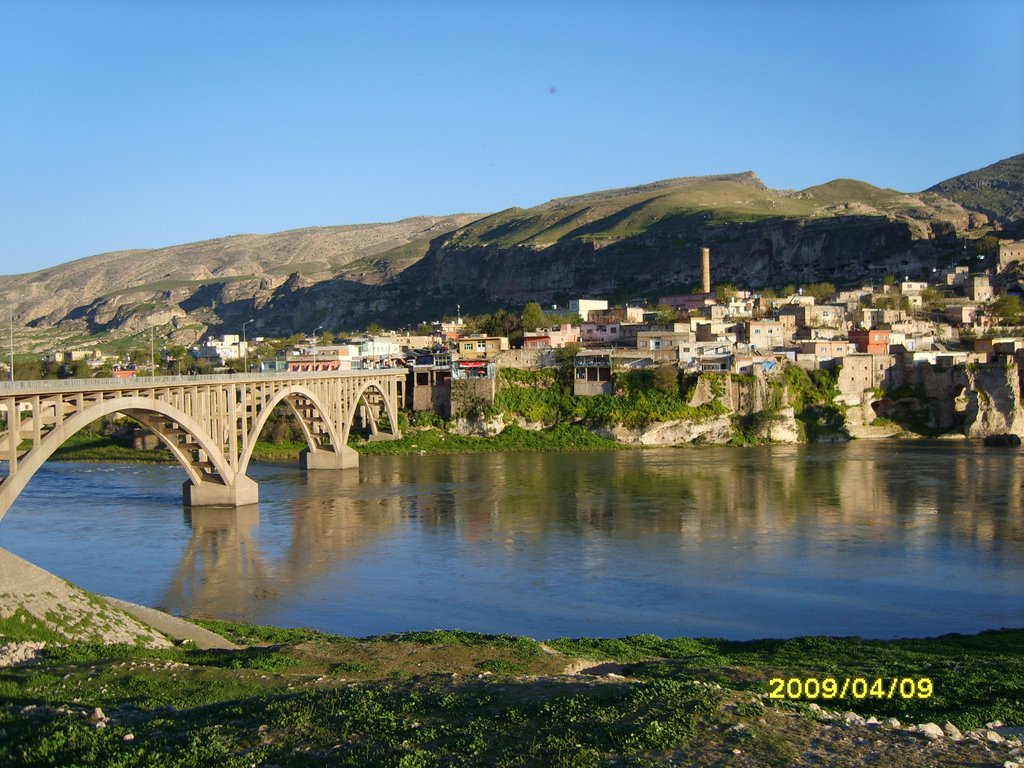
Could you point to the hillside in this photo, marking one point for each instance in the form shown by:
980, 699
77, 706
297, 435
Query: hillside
996, 190
631, 242
186, 285
676, 205
642, 242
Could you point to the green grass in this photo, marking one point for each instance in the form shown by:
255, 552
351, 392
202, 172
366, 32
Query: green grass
676, 207
441, 698
668, 209
976, 678
89, 447
561, 437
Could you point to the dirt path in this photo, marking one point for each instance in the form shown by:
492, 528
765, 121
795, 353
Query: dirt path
170, 625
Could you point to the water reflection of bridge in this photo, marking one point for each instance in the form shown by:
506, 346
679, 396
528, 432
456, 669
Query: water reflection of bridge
508, 503
209, 423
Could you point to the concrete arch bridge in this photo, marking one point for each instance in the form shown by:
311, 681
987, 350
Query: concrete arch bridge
209, 423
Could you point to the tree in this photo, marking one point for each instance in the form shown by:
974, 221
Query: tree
503, 323
533, 317
987, 245
666, 313
724, 293
666, 379
25, 370
931, 299
76, 369
822, 292
1008, 309
565, 358
890, 301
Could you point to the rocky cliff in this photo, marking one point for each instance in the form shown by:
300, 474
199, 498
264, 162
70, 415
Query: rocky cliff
996, 190
795, 406
748, 253
970, 401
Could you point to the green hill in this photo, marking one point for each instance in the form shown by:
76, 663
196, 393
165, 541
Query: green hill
679, 205
996, 190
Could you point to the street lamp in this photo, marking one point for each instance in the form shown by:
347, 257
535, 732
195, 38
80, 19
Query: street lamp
152, 351
318, 328
11, 310
245, 346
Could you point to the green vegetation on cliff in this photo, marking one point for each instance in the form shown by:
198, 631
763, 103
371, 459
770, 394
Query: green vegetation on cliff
560, 437
645, 396
812, 394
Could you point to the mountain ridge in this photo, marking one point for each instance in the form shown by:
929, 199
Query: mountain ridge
638, 238
997, 190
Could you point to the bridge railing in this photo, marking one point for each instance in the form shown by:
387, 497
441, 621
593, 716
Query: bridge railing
148, 382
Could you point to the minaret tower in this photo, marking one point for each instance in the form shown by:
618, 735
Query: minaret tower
705, 269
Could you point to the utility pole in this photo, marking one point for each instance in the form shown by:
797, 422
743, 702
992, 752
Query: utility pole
245, 346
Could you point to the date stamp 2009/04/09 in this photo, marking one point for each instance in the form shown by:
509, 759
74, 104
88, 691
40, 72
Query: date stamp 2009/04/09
828, 688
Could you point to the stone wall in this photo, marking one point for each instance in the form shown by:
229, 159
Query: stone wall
525, 358
1010, 251
863, 372
470, 396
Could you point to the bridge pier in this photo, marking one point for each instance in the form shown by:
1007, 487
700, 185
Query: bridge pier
242, 491
345, 458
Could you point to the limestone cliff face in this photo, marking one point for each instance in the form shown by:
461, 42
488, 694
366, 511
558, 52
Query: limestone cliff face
749, 253
993, 401
971, 401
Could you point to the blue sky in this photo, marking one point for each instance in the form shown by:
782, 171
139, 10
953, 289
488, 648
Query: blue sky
137, 125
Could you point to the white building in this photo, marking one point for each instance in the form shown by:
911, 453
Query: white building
220, 351
582, 307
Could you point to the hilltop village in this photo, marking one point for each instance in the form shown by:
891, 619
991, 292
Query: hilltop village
907, 356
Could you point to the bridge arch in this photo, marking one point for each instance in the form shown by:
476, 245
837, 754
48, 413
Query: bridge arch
207, 422
290, 395
388, 407
143, 410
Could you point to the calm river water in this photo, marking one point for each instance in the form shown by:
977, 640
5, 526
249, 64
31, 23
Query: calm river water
879, 540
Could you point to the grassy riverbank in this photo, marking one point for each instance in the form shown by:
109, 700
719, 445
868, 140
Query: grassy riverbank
303, 698
562, 437
91, 447
88, 447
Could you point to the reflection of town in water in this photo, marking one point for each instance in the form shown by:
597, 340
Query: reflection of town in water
512, 529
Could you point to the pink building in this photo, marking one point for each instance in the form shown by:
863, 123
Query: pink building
551, 338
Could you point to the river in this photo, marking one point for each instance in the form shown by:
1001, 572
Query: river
874, 539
